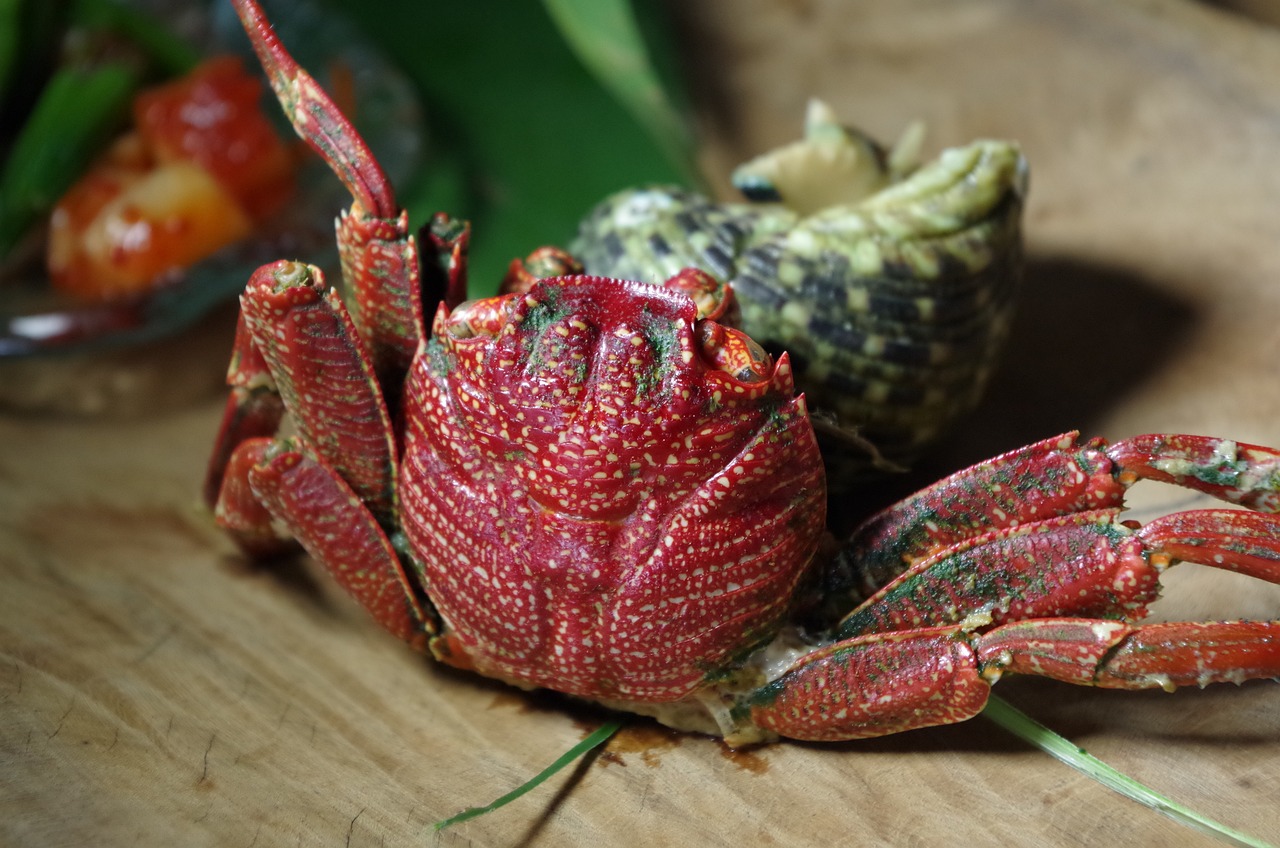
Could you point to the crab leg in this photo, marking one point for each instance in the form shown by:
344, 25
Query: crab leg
296, 349
254, 409
237, 509
379, 257
1053, 477
1115, 655
872, 686
302, 331
1086, 564
335, 527
1232, 471
879, 685
333, 486
1053, 598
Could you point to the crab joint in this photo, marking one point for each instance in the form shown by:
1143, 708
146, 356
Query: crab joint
288, 275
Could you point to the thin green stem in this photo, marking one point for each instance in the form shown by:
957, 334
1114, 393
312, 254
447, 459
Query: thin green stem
1033, 732
596, 739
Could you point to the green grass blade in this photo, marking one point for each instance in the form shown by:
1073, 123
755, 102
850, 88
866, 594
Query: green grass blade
599, 737
523, 139
1033, 732
608, 38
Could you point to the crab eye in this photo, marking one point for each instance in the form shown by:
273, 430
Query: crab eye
542, 263
733, 352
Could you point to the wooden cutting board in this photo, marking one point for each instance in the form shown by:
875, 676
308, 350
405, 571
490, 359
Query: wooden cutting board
156, 690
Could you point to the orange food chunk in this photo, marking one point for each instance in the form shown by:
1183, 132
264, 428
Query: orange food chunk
202, 164
122, 230
213, 117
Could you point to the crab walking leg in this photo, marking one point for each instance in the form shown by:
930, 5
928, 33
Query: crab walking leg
872, 686
332, 487
239, 511
883, 684
1232, 471
254, 409
378, 255
1054, 598
333, 525
1235, 540
269, 481
1052, 477
1115, 655
323, 375
1086, 564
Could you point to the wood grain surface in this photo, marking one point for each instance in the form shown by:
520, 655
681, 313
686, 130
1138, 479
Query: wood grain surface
156, 690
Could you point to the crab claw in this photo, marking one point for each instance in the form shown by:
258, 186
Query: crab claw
316, 119
733, 352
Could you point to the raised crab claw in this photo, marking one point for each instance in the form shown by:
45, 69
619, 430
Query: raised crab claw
595, 486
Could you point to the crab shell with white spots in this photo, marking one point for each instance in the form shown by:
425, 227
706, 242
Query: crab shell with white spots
592, 505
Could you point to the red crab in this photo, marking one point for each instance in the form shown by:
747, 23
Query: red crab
592, 486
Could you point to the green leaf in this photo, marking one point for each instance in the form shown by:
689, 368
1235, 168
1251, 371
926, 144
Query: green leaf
1029, 730
30, 38
596, 739
608, 38
522, 140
